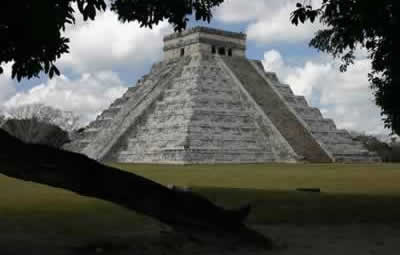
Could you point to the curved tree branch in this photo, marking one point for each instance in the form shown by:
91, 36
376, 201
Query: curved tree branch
75, 172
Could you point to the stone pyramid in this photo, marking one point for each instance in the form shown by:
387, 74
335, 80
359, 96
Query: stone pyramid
207, 103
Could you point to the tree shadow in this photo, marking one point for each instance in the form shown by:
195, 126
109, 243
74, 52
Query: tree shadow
299, 207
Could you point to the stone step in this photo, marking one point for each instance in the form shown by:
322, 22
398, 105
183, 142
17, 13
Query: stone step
296, 101
118, 103
308, 112
285, 90
321, 125
333, 139
274, 106
352, 158
347, 148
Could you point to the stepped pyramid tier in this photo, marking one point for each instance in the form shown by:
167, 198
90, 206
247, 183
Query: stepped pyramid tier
207, 103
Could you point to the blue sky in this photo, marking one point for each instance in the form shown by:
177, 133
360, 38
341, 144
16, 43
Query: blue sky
108, 56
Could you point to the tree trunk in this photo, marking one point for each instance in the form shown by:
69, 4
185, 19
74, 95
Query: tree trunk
77, 173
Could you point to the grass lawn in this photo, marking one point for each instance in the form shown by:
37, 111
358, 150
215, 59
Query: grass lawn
350, 193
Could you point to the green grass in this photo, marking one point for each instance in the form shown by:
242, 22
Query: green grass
30, 207
38, 217
370, 179
350, 193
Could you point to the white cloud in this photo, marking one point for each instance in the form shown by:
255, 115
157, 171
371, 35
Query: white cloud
85, 96
106, 43
85, 87
236, 11
273, 60
269, 21
344, 97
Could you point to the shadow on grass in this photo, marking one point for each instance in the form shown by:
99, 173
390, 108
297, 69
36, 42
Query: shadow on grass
296, 207
68, 222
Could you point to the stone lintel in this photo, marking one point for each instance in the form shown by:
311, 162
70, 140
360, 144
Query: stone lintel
217, 43
204, 41
207, 30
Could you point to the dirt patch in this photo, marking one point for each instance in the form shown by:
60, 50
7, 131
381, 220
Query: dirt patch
349, 239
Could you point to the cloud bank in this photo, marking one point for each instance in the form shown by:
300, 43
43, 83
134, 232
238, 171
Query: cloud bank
87, 95
268, 21
100, 51
344, 97
106, 44
105, 50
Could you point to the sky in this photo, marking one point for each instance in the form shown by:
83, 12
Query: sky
106, 57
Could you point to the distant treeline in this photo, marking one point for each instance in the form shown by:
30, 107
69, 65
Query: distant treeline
34, 131
389, 152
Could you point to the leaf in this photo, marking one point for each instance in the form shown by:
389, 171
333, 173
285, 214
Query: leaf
302, 17
294, 17
81, 6
14, 73
53, 71
56, 70
90, 11
46, 66
312, 15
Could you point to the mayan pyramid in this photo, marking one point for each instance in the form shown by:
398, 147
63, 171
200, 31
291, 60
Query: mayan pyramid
207, 103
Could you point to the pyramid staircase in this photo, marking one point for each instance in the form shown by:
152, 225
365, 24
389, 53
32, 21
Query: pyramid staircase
338, 142
202, 118
205, 103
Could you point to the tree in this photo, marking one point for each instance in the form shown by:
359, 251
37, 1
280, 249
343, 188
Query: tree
31, 32
37, 132
31, 38
183, 211
66, 120
368, 24
2, 120
373, 144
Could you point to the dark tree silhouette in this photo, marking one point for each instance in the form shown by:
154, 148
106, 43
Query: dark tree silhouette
31, 38
184, 211
31, 31
369, 24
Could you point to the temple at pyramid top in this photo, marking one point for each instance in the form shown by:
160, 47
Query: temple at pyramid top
205, 102
204, 40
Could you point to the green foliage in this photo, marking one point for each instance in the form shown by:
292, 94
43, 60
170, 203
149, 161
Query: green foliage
31, 32
151, 12
2, 120
371, 25
388, 153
